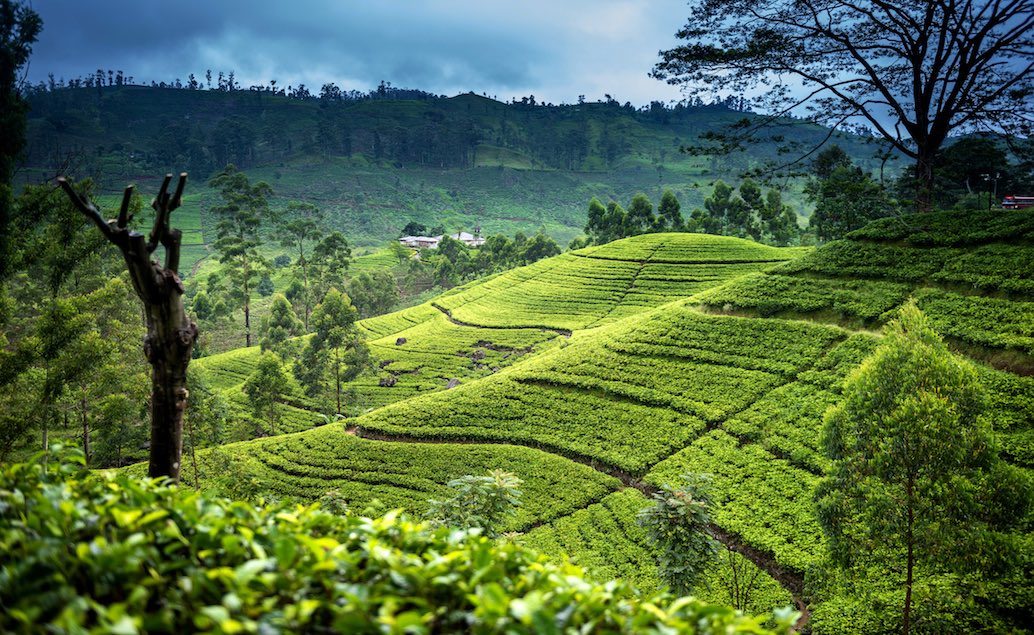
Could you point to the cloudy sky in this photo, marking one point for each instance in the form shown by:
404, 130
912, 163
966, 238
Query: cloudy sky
554, 49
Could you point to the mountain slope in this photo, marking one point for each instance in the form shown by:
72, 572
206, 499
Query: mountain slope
376, 163
672, 387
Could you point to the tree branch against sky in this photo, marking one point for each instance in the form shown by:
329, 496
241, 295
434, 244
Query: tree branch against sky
913, 72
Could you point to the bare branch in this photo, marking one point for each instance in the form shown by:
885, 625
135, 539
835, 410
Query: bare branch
123, 212
86, 207
162, 193
177, 198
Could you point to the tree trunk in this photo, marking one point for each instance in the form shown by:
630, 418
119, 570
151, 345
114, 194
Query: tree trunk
170, 333
924, 183
247, 321
306, 303
86, 432
170, 339
911, 561
337, 379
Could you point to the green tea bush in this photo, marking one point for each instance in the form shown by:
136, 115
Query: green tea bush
771, 294
949, 228
116, 554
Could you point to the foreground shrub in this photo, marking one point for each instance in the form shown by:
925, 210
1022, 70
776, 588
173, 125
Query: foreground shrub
113, 553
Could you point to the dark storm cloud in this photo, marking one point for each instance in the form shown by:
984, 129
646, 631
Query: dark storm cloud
555, 49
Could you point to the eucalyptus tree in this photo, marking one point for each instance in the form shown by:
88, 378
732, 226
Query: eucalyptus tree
330, 259
245, 206
300, 228
915, 478
669, 213
265, 388
279, 326
336, 348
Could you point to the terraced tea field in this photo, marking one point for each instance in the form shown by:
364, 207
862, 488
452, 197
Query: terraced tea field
474, 330
976, 286
599, 375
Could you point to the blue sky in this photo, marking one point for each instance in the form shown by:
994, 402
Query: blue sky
556, 50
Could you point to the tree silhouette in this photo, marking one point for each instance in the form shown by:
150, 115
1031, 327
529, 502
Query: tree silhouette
914, 72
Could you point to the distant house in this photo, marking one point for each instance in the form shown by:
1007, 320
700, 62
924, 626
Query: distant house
420, 242
470, 240
431, 242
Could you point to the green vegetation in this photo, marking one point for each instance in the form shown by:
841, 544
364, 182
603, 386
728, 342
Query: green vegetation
600, 358
483, 502
969, 272
607, 540
119, 554
914, 476
374, 163
676, 527
304, 466
856, 474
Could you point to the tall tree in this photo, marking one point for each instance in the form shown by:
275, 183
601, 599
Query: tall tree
300, 228
265, 388
914, 72
779, 220
401, 253
612, 226
237, 234
718, 207
669, 212
373, 292
639, 218
594, 223
279, 326
330, 259
170, 333
538, 247
911, 455
335, 348
19, 26
844, 196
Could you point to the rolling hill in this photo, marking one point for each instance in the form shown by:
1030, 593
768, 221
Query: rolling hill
377, 162
599, 375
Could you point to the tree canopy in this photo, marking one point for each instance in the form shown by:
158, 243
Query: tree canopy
913, 72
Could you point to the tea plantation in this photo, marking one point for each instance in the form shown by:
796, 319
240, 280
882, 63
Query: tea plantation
599, 375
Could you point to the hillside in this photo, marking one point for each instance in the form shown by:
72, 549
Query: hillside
477, 329
664, 354
376, 163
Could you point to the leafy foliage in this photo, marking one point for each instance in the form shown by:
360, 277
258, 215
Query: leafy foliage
481, 502
676, 526
117, 553
264, 388
913, 462
245, 207
280, 325
373, 293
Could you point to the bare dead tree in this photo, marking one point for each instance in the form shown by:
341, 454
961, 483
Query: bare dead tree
170, 333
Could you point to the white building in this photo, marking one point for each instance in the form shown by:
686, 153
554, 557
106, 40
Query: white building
431, 242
